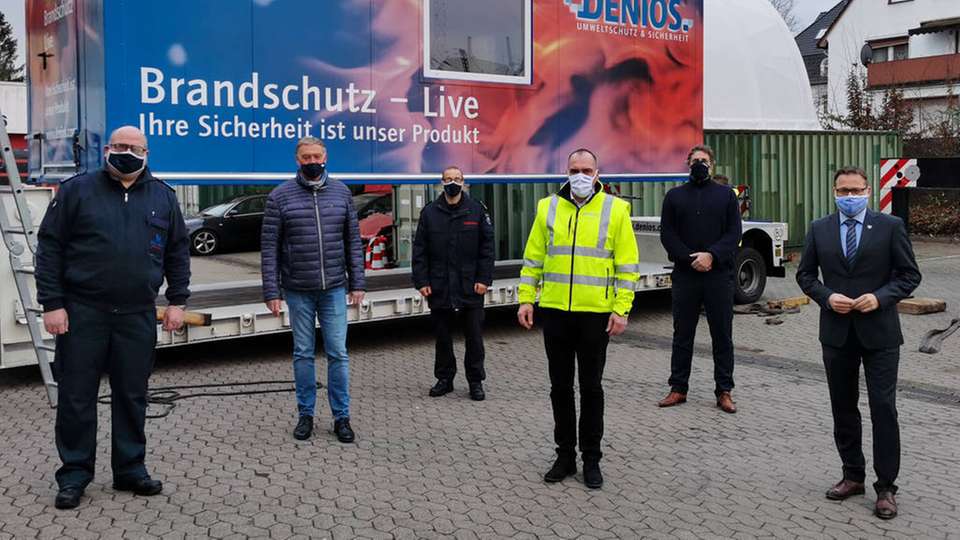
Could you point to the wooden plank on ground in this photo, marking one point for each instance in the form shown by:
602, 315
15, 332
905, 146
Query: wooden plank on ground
921, 306
788, 303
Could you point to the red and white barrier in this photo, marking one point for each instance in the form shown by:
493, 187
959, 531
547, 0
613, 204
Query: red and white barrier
375, 257
896, 173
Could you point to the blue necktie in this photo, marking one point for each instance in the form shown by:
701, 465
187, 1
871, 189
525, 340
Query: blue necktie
851, 239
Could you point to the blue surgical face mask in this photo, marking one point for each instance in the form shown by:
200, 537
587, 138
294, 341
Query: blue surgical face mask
851, 205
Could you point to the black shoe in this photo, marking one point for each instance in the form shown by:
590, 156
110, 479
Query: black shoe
476, 391
344, 432
68, 497
562, 468
443, 386
145, 486
304, 428
592, 478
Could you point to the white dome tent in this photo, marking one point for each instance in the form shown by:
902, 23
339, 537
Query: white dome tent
754, 76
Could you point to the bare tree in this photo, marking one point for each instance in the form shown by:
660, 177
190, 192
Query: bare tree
785, 7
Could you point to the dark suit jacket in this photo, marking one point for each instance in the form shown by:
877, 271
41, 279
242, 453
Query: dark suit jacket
884, 266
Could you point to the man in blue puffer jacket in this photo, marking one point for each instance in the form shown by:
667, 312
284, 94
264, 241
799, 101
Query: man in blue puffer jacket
311, 255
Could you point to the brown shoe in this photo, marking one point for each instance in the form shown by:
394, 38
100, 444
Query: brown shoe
725, 403
673, 398
886, 506
844, 490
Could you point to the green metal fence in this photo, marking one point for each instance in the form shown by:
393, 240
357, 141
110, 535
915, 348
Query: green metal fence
790, 174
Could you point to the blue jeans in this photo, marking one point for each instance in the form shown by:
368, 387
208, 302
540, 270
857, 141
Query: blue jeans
330, 307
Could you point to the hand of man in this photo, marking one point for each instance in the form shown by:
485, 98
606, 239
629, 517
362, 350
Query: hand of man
525, 316
355, 297
56, 322
274, 306
426, 291
866, 303
480, 288
840, 303
616, 325
172, 318
702, 262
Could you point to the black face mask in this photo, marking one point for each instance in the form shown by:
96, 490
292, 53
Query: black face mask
313, 171
125, 163
699, 172
452, 189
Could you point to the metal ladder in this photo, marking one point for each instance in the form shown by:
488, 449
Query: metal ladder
15, 236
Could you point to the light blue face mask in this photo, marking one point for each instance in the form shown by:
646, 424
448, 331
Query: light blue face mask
851, 205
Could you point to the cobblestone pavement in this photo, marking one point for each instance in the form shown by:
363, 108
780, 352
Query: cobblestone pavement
449, 467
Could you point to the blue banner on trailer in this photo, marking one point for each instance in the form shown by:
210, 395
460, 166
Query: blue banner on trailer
397, 89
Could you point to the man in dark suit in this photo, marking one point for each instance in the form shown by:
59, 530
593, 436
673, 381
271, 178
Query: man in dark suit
868, 266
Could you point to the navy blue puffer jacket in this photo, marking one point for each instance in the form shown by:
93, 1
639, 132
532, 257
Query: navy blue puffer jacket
310, 239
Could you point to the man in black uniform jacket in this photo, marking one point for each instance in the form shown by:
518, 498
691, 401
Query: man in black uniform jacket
868, 266
452, 268
106, 243
700, 229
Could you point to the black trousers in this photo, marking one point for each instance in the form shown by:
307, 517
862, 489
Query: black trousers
121, 345
445, 365
843, 377
576, 338
713, 292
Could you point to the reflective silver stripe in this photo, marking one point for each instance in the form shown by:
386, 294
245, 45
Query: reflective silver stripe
605, 221
580, 251
530, 263
552, 217
627, 284
527, 280
577, 280
628, 268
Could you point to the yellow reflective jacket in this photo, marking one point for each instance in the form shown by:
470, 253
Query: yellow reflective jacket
581, 259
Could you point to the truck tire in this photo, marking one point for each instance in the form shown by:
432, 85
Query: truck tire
750, 276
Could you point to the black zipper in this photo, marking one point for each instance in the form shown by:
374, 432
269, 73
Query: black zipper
573, 253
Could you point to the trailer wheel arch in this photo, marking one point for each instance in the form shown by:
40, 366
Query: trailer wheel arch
760, 241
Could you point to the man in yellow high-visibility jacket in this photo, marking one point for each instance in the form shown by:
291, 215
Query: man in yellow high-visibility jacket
581, 257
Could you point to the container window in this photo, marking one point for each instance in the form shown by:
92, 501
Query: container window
489, 41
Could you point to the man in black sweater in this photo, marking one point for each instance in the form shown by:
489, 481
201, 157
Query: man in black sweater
700, 230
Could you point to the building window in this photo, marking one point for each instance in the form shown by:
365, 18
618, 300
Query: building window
901, 52
824, 65
488, 41
881, 54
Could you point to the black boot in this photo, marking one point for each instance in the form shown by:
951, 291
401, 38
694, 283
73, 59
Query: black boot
304, 428
343, 430
563, 467
443, 386
476, 391
68, 498
592, 478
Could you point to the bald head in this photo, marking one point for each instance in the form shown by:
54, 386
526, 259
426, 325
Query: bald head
128, 135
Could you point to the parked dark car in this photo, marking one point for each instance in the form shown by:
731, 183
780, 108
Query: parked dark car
231, 225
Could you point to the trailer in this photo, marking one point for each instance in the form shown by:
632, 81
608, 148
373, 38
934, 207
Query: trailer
396, 89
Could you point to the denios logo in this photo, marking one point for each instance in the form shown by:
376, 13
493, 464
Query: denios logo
662, 15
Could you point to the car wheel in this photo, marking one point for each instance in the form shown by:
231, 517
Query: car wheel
204, 242
750, 275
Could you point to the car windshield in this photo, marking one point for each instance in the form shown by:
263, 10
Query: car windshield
217, 210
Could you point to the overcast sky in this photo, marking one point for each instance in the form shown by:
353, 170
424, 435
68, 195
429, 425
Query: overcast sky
14, 10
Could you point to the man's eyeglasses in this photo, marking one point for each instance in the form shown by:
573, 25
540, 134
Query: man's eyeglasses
846, 192
121, 147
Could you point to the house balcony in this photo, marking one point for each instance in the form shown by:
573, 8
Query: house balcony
915, 71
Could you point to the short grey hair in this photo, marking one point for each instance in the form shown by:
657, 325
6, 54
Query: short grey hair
309, 141
584, 151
